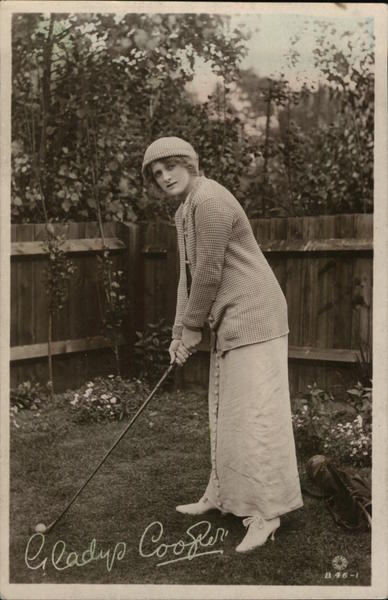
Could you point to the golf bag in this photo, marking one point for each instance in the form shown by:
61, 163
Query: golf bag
347, 495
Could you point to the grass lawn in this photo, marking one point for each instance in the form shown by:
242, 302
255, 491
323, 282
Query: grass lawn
163, 461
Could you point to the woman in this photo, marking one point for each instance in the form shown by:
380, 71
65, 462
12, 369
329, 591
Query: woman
226, 281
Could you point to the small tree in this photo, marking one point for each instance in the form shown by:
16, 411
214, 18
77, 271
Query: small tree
112, 301
57, 274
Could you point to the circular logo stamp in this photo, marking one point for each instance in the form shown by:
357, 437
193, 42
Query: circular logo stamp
339, 563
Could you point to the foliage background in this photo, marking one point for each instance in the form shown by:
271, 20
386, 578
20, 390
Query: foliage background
90, 91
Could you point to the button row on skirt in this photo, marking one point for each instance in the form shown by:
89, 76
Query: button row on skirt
214, 442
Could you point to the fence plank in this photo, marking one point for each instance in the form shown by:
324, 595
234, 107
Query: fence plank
326, 270
294, 284
133, 235
91, 286
25, 285
363, 281
333, 244
278, 232
310, 288
156, 276
262, 231
76, 304
71, 246
344, 227
323, 354
60, 347
40, 291
172, 272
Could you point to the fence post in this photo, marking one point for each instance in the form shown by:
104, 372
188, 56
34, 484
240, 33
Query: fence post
132, 235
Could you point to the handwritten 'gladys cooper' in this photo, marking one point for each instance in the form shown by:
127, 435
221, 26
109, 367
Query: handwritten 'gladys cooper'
198, 540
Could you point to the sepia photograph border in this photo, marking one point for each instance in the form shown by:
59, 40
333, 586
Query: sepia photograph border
379, 581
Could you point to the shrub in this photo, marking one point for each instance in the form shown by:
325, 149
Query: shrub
110, 399
151, 350
362, 401
27, 395
320, 427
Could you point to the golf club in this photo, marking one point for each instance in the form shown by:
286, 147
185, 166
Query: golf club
41, 527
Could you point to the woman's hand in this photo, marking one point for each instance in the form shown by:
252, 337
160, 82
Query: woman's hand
173, 349
181, 350
191, 339
178, 353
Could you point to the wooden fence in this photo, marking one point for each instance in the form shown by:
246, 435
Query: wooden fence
324, 265
79, 349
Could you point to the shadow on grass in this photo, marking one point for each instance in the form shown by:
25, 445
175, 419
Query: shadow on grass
162, 462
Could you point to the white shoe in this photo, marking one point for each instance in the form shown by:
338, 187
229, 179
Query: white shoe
196, 508
258, 532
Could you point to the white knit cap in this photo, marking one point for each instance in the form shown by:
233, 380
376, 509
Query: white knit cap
165, 147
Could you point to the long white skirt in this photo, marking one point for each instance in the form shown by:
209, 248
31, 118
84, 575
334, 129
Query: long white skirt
254, 467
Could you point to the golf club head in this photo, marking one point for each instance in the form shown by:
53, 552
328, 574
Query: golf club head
50, 527
42, 528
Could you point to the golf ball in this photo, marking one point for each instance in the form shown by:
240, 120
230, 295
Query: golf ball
40, 528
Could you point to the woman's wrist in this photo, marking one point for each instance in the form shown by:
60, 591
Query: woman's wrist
190, 328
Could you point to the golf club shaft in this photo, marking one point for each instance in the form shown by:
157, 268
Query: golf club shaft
152, 394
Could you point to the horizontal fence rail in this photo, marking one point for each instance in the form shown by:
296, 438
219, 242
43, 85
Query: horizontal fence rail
330, 245
323, 264
60, 347
68, 246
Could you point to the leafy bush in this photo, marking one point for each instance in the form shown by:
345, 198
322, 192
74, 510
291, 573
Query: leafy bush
323, 427
350, 442
362, 401
151, 350
27, 396
110, 399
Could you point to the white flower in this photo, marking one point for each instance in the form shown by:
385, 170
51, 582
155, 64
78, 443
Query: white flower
358, 420
88, 392
74, 401
111, 376
90, 384
113, 400
105, 397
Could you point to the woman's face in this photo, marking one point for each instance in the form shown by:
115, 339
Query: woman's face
174, 180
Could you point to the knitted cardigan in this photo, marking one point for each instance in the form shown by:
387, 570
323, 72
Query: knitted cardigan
233, 286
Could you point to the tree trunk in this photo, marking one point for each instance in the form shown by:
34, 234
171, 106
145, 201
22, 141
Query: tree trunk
266, 143
50, 356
